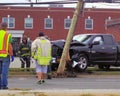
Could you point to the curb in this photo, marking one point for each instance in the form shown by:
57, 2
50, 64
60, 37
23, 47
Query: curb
87, 92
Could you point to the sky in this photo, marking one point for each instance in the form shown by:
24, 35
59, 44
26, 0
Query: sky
26, 1
52, 0
87, 5
13, 1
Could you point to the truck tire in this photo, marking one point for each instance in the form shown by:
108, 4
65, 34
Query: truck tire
104, 67
82, 63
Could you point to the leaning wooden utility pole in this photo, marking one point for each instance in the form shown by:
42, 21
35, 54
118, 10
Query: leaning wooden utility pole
62, 64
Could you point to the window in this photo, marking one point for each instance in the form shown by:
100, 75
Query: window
28, 23
67, 23
10, 21
48, 23
99, 38
89, 24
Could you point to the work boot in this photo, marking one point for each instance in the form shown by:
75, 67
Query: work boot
49, 77
39, 82
5, 88
43, 81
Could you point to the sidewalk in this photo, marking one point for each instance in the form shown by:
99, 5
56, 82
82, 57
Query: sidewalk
86, 92
17, 63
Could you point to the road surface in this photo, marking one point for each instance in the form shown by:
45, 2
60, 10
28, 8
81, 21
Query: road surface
61, 86
65, 83
90, 82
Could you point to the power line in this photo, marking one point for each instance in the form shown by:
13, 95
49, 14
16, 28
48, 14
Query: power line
40, 3
61, 2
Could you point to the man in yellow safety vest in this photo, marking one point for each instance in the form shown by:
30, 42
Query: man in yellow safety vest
41, 52
6, 53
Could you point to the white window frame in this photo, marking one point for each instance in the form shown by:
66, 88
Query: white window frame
67, 23
10, 21
48, 24
106, 20
89, 22
28, 21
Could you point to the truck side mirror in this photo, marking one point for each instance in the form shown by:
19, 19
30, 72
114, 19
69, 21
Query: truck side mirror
94, 43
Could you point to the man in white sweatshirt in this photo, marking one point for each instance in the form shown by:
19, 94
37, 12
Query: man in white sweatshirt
41, 52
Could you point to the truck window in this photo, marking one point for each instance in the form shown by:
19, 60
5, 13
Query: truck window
82, 38
109, 40
98, 38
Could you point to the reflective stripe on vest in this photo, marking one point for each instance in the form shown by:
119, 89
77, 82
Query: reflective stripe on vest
4, 43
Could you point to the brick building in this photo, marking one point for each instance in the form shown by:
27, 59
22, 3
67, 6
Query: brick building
55, 22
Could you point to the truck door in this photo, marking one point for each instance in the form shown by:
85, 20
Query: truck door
105, 52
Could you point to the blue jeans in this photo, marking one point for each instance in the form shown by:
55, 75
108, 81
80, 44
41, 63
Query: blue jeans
4, 68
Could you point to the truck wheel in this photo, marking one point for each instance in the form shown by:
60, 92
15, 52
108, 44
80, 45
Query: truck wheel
106, 67
82, 63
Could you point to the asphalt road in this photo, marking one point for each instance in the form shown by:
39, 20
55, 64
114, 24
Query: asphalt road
62, 86
65, 83
89, 82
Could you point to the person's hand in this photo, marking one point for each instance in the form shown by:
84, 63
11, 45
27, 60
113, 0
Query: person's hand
12, 58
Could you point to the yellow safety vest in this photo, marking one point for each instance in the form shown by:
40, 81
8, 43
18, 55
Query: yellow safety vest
4, 40
43, 60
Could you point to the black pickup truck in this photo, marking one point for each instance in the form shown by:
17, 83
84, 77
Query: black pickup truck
91, 49
94, 49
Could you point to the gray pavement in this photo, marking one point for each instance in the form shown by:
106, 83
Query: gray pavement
17, 63
22, 86
64, 83
61, 86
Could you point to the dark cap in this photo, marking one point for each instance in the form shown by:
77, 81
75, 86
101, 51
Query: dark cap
41, 34
3, 25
